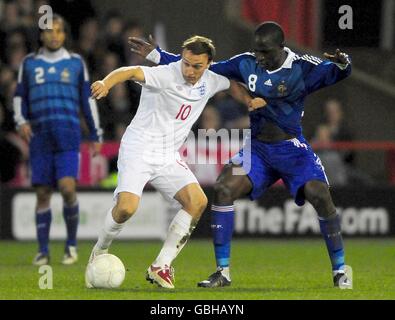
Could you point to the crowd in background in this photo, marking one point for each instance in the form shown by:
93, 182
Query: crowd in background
104, 45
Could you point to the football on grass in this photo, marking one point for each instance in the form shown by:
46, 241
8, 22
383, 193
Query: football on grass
106, 271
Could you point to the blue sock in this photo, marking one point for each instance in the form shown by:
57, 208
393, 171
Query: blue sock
222, 222
71, 218
43, 223
331, 231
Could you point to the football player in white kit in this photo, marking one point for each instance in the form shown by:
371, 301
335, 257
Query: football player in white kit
172, 99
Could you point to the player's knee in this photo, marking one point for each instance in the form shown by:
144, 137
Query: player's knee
317, 194
123, 212
201, 203
43, 197
222, 192
196, 204
69, 195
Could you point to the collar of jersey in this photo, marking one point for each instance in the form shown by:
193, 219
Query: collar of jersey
52, 57
197, 84
287, 63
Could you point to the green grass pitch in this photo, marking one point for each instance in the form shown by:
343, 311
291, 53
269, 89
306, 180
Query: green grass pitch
261, 269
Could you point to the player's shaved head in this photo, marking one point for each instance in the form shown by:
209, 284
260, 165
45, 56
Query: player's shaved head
270, 32
269, 45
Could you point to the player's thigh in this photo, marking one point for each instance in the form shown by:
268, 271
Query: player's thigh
318, 194
301, 166
132, 178
172, 178
247, 174
192, 198
237, 185
66, 164
42, 168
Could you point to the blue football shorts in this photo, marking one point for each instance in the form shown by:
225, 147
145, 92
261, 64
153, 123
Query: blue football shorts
49, 168
292, 160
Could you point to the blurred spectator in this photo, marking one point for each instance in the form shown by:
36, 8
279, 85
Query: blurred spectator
113, 34
10, 18
133, 29
7, 87
338, 128
74, 11
10, 154
118, 111
110, 63
335, 168
87, 40
13, 41
339, 172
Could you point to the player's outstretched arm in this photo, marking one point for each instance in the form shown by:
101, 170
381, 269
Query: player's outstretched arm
320, 74
142, 47
151, 51
101, 88
240, 94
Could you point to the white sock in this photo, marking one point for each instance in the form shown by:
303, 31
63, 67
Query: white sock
179, 232
110, 230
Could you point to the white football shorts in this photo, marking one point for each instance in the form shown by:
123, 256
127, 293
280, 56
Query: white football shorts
135, 172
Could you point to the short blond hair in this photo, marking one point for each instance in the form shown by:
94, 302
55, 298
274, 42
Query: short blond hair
200, 45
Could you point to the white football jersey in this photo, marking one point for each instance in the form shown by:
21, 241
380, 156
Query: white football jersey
168, 108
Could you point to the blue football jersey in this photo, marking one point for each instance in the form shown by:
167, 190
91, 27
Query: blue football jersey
52, 89
283, 89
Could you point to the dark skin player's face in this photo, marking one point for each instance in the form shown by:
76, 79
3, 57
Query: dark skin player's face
269, 55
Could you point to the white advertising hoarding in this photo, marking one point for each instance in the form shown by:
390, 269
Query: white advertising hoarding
149, 222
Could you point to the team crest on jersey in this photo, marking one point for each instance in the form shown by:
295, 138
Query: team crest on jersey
202, 89
282, 89
65, 75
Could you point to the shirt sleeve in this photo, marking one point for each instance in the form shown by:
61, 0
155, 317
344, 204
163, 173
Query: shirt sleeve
319, 74
157, 77
89, 106
222, 83
231, 68
228, 68
162, 57
20, 101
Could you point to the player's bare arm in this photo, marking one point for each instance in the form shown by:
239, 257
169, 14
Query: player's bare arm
240, 94
101, 88
142, 47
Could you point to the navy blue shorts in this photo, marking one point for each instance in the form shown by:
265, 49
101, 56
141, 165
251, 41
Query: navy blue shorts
48, 168
292, 160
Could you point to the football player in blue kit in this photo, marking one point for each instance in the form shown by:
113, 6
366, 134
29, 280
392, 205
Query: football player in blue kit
53, 86
278, 149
